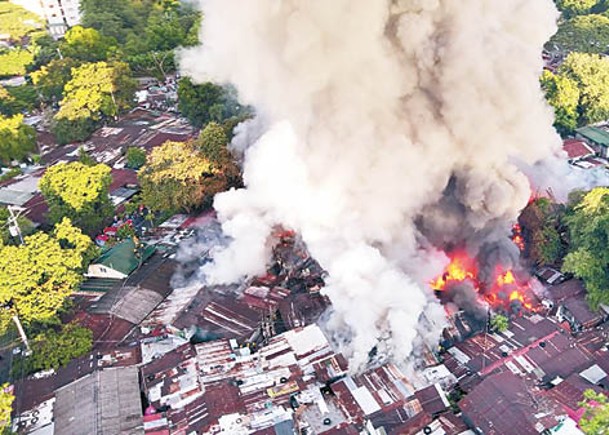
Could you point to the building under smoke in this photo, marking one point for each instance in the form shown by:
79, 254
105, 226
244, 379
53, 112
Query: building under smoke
388, 132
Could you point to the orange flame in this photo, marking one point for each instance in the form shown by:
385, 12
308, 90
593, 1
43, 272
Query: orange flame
505, 279
517, 237
460, 268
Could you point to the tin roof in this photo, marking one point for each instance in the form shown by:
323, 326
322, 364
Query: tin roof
505, 403
107, 401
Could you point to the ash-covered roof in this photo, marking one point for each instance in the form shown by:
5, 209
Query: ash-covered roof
568, 289
433, 399
505, 403
103, 402
570, 391
579, 308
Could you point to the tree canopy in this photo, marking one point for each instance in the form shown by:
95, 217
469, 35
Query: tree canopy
87, 44
207, 102
583, 78
37, 277
51, 79
212, 142
178, 177
6, 407
500, 323
78, 191
14, 62
66, 131
116, 18
595, 420
18, 22
589, 244
174, 177
136, 157
96, 90
17, 139
17, 99
52, 349
584, 34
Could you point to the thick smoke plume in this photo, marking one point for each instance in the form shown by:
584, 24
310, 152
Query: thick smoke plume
389, 130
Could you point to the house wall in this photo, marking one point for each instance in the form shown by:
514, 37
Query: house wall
101, 271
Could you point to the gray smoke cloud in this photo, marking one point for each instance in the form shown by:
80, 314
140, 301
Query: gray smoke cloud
390, 131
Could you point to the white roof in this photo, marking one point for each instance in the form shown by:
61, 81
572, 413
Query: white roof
593, 374
306, 340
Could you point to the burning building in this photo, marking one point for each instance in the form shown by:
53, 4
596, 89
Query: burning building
385, 141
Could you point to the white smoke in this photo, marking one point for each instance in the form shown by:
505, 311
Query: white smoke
371, 108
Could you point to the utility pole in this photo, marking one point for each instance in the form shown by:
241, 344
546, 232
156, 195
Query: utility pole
22, 334
15, 231
13, 224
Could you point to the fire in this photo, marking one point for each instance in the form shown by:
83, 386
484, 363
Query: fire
517, 296
517, 237
499, 292
505, 279
461, 268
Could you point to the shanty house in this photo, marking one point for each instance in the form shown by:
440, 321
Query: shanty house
120, 261
505, 403
595, 136
577, 149
570, 299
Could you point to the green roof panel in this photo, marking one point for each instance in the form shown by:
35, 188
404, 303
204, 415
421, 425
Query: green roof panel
122, 256
594, 134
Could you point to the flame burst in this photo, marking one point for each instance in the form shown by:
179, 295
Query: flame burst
517, 237
500, 292
461, 268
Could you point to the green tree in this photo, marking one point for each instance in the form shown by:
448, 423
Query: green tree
574, 7
584, 34
66, 131
85, 158
79, 192
116, 18
207, 102
17, 139
38, 276
176, 178
164, 31
212, 142
155, 63
7, 103
588, 255
136, 157
548, 246
51, 79
25, 97
6, 407
87, 45
562, 93
96, 90
45, 50
18, 22
595, 420
590, 74
53, 349
13, 62
500, 323
17, 99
